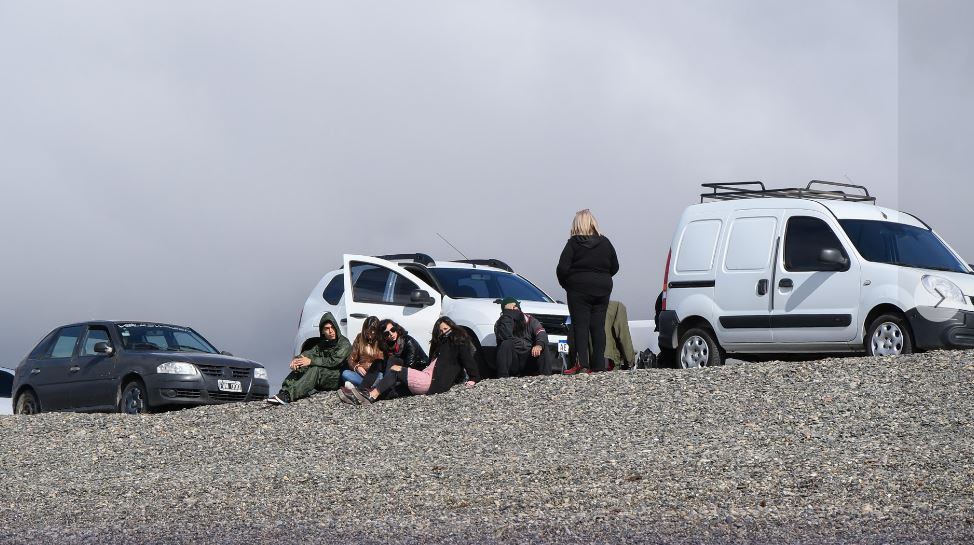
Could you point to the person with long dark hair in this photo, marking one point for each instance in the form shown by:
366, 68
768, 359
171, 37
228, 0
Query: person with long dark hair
585, 270
451, 354
366, 351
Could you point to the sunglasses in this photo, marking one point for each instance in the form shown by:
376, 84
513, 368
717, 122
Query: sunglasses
389, 332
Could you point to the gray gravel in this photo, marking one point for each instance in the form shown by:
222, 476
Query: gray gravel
835, 451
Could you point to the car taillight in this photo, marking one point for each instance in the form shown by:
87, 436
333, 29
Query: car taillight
666, 276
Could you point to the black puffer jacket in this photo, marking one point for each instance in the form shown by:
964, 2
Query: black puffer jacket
587, 265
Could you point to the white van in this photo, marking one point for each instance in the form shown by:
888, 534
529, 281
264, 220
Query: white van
818, 269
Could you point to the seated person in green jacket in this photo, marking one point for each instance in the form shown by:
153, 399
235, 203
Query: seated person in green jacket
318, 369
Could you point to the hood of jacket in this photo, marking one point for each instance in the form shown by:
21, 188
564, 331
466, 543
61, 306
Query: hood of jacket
588, 241
327, 318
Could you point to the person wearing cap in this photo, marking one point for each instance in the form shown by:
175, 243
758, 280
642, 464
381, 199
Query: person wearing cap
522, 341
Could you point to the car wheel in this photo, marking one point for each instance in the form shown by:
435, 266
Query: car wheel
27, 403
889, 335
698, 349
134, 399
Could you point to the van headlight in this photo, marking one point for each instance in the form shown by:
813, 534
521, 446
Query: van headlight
944, 290
260, 373
177, 368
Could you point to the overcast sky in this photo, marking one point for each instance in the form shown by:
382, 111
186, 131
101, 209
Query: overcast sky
206, 163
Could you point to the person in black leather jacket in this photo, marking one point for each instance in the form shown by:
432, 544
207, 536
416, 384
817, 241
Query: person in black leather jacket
396, 344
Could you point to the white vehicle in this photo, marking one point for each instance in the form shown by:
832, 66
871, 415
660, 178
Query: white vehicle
809, 270
415, 290
6, 385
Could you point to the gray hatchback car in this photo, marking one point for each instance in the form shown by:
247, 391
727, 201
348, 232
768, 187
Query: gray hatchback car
131, 367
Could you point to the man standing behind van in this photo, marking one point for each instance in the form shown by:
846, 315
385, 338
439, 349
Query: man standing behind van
317, 369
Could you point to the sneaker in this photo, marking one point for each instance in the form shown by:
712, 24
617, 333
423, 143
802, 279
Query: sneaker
349, 385
363, 397
347, 395
576, 370
279, 399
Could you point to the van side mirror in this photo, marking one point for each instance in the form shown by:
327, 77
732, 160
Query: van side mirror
104, 348
421, 298
834, 257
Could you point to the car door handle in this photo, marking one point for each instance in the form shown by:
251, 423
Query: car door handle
358, 315
74, 369
763, 286
786, 283
35, 371
343, 320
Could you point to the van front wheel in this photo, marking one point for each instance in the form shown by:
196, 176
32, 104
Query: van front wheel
698, 349
889, 335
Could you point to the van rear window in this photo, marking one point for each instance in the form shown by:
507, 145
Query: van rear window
698, 246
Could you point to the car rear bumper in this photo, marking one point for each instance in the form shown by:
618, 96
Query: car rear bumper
941, 328
176, 390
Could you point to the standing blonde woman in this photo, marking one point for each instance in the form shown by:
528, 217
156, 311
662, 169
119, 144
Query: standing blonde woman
585, 270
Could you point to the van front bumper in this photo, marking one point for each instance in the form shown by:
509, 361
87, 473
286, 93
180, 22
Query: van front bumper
941, 328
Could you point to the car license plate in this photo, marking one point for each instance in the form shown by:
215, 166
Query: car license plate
229, 385
562, 347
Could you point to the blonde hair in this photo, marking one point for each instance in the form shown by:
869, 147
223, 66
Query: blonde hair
585, 224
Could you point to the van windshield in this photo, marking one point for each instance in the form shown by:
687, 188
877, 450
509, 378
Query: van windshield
484, 284
899, 244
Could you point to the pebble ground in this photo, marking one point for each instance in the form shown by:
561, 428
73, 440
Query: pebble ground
849, 450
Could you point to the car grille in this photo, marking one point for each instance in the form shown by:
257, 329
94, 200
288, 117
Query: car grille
227, 396
181, 392
217, 371
553, 323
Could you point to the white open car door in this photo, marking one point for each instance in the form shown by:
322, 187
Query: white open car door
376, 287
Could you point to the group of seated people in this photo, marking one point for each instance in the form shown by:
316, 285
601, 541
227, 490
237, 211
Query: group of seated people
384, 361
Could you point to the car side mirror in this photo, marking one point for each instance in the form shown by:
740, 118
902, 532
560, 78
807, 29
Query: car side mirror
833, 257
225, 353
421, 298
104, 348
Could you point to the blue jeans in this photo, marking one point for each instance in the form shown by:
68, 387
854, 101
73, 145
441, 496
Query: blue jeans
351, 376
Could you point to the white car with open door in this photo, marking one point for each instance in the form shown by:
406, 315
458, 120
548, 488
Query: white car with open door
415, 290
6, 388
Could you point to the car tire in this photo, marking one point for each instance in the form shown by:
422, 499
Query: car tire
888, 335
134, 398
698, 349
27, 403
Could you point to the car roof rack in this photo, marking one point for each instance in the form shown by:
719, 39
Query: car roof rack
815, 189
422, 259
495, 263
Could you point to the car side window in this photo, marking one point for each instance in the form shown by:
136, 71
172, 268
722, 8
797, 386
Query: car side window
805, 238
65, 342
94, 336
403, 290
370, 283
334, 290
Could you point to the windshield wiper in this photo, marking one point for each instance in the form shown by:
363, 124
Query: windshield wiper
928, 267
186, 348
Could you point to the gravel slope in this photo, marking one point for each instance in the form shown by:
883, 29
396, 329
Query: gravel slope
834, 451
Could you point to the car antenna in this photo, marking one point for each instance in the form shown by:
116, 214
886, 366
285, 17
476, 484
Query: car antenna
455, 248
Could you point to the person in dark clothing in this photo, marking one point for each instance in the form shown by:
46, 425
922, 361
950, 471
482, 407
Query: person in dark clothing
521, 341
585, 270
317, 369
451, 355
398, 348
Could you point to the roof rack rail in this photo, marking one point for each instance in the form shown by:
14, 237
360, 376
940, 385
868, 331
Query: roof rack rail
495, 263
728, 191
422, 259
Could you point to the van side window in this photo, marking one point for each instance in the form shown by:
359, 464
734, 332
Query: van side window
750, 243
698, 246
334, 290
805, 238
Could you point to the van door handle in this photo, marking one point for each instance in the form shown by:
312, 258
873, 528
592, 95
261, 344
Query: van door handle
786, 283
74, 369
358, 315
763, 286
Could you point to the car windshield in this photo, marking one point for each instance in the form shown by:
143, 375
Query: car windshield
899, 244
137, 336
485, 284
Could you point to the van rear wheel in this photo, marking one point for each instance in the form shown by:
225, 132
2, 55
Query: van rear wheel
889, 335
698, 349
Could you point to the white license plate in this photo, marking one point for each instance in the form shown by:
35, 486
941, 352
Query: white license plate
229, 385
562, 347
